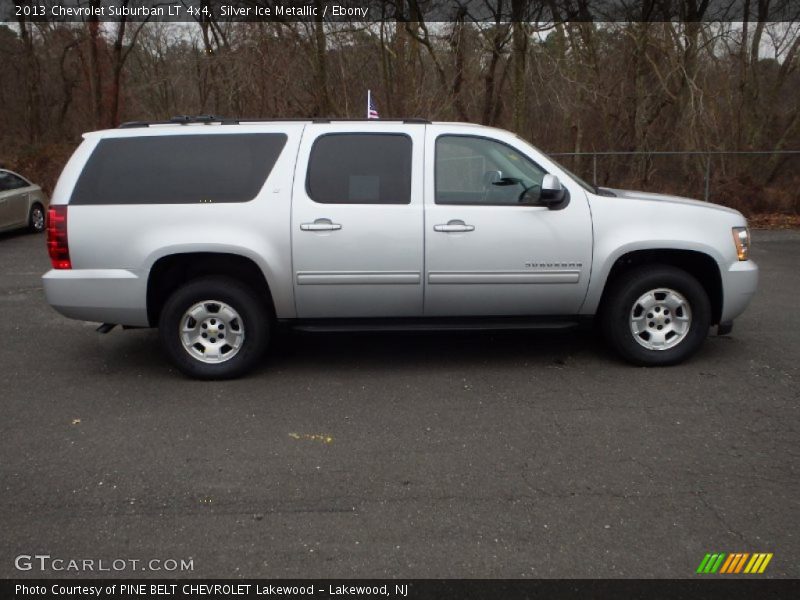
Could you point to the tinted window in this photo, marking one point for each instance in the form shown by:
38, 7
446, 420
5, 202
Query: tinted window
178, 169
476, 170
5, 181
9, 181
356, 168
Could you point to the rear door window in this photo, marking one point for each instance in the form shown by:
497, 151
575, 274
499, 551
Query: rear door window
178, 169
360, 168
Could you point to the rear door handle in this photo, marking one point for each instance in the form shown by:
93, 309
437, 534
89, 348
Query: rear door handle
454, 226
320, 225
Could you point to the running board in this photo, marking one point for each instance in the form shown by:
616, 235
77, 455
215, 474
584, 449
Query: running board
367, 325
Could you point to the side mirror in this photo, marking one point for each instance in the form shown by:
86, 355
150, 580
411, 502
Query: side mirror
492, 177
552, 191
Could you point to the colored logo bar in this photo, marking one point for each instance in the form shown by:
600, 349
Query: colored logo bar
735, 563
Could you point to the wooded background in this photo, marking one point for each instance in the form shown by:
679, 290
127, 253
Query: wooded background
566, 87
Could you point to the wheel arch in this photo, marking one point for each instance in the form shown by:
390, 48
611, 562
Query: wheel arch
171, 271
700, 265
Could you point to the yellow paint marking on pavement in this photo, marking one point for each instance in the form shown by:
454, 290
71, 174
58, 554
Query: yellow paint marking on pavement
313, 437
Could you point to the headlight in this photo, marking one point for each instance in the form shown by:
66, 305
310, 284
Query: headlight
741, 238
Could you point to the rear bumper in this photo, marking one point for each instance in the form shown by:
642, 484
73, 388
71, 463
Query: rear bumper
102, 295
739, 284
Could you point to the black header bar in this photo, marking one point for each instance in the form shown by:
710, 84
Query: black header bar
361, 11
701, 587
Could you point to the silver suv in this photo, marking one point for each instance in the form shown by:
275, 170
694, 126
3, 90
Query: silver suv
215, 230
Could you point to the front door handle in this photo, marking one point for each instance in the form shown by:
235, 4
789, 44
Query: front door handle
454, 226
320, 225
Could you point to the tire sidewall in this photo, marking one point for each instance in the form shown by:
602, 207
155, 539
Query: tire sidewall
255, 320
629, 290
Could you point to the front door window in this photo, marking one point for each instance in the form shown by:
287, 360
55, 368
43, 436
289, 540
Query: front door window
478, 171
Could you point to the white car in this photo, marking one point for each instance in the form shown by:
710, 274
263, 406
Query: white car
214, 230
22, 203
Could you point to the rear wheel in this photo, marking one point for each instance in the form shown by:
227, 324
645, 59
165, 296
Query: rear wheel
214, 328
656, 315
36, 219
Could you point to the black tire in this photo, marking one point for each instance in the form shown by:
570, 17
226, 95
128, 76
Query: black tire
622, 298
255, 320
36, 219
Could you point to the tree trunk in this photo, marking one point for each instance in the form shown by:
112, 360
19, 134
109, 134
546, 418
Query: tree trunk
457, 47
323, 108
95, 75
116, 72
32, 83
519, 53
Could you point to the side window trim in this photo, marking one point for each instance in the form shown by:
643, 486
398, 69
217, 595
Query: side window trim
307, 182
478, 137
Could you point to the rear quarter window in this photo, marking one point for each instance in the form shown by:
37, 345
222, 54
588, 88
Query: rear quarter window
178, 169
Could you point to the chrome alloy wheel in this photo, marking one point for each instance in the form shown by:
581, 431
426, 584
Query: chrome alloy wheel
37, 219
211, 331
660, 319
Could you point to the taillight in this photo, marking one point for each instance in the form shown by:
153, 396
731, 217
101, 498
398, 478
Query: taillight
57, 245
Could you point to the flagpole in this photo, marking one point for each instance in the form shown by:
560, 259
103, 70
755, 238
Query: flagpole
369, 98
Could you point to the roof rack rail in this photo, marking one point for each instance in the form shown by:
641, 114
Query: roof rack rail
208, 119
178, 120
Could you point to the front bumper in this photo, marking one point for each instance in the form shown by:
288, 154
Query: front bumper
739, 284
103, 295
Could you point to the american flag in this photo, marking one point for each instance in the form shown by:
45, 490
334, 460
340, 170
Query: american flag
372, 110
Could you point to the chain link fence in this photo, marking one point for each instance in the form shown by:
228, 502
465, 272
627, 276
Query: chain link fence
709, 174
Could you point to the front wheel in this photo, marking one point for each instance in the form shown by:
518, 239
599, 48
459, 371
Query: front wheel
656, 315
214, 328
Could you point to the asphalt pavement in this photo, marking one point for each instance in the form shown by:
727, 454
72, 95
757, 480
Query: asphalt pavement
530, 454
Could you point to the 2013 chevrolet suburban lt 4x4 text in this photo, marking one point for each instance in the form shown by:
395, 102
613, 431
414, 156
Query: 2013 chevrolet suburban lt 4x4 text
216, 230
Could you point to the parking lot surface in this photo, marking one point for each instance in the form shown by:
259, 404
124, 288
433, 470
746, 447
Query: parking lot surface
400, 455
